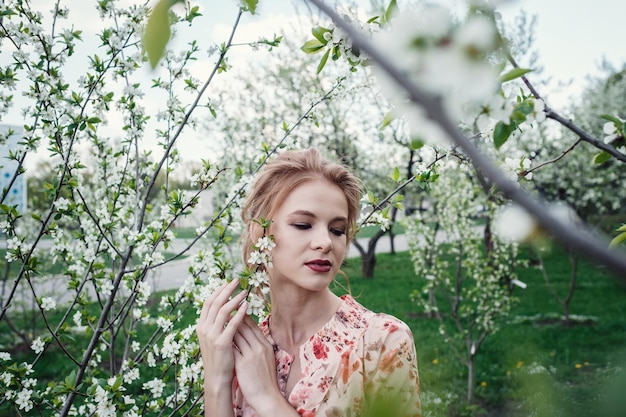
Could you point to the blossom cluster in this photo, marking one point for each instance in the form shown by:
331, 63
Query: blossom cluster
255, 278
447, 59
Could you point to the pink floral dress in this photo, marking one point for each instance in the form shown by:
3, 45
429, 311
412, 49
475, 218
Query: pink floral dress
359, 361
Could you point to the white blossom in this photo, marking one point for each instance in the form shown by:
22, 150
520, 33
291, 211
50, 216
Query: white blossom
48, 303
5, 226
164, 323
611, 131
155, 386
62, 203
131, 375
23, 400
265, 243
106, 287
38, 345
6, 378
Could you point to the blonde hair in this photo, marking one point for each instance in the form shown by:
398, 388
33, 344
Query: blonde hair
284, 173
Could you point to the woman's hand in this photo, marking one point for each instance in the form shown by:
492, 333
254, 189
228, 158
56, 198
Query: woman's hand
255, 365
216, 330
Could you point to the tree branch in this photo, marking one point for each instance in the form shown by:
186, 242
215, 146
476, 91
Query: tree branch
551, 114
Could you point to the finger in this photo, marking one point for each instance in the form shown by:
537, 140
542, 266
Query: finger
240, 343
253, 330
220, 298
207, 303
225, 313
231, 327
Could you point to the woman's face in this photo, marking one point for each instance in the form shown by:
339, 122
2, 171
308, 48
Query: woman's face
309, 230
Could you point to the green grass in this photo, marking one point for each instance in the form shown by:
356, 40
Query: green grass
582, 361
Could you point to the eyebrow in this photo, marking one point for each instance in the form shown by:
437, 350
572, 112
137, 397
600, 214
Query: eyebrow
311, 214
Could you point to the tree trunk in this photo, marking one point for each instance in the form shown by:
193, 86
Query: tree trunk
368, 258
392, 246
471, 369
368, 263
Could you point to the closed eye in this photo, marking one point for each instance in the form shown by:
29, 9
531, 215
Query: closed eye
301, 226
338, 232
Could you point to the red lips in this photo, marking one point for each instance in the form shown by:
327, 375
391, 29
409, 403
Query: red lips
319, 265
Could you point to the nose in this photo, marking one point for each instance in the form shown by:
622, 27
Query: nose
322, 240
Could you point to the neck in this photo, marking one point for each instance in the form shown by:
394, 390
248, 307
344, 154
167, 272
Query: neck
296, 317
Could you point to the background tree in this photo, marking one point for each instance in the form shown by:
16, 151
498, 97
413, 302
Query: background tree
465, 274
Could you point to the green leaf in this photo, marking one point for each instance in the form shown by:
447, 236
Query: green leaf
501, 133
336, 52
320, 66
251, 5
312, 46
389, 117
318, 32
70, 380
611, 118
601, 158
514, 73
390, 10
416, 144
617, 240
396, 174
157, 33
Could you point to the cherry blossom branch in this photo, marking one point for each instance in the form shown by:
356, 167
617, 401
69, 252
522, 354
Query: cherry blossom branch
551, 114
582, 242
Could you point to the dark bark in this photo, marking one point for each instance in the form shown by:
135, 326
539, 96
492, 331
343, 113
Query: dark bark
368, 257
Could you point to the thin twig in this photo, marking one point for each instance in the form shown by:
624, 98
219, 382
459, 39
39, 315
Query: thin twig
551, 161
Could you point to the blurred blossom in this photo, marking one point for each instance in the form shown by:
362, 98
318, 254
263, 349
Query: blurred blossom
514, 224
496, 109
444, 58
477, 33
513, 168
538, 114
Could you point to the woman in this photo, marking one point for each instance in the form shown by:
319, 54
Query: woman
316, 354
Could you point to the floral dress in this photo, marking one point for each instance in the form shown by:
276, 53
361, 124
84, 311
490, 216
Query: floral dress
359, 362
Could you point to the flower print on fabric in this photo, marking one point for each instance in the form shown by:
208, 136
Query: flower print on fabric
358, 361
